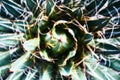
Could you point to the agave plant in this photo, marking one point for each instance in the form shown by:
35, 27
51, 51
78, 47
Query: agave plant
59, 39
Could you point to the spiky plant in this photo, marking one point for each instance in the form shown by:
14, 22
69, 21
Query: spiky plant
59, 39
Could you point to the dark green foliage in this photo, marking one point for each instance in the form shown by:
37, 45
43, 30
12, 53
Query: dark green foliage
59, 40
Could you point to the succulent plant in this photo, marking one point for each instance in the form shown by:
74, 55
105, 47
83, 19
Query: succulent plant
59, 39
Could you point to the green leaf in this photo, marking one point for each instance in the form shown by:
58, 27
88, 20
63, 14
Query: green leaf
56, 12
87, 38
33, 6
77, 74
102, 25
21, 63
30, 76
111, 10
19, 26
9, 55
5, 57
4, 71
43, 26
94, 6
16, 76
107, 49
6, 26
67, 9
77, 14
17, 1
3, 48
12, 8
112, 33
3, 13
96, 73
66, 1
31, 44
10, 39
99, 72
96, 24
46, 72
66, 69
115, 20
49, 6
114, 41
114, 64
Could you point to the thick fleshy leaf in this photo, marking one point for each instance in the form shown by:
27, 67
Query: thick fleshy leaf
103, 24
4, 71
31, 44
34, 6
3, 48
87, 38
17, 53
30, 75
6, 26
99, 72
31, 4
112, 33
21, 63
67, 10
70, 3
77, 14
66, 1
50, 39
10, 39
94, 6
107, 49
46, 72
115, 20
10, 55
56, 12
112, 9
11, 8
78, 74
114, 64
16, 76
95, 24
96, 73
84, 2
18, 1
31, 33
3, 12
5, 57
49, 6
19, 26
114, 41
43, 26
66, 70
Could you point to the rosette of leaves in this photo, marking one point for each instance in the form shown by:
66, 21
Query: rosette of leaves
59, 39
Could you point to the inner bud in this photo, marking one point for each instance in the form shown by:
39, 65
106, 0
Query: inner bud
59, 43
